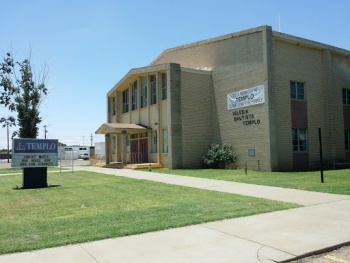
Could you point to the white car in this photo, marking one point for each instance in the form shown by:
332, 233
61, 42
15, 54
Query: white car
84, 156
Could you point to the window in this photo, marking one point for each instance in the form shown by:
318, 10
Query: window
297, 90
134, 136
144, 92
114, 144
154, 142
126, 100
165, 141
153, 89
347, 140
299, 136
134, 96
113, 106
346, 96
164, 86
127, 143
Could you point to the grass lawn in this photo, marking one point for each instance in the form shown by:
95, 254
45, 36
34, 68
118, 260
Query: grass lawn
335, 181
19, 170
84, 206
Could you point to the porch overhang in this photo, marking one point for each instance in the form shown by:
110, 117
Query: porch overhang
122, 128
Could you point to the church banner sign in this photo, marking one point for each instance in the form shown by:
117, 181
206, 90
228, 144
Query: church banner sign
245, 98
34, 153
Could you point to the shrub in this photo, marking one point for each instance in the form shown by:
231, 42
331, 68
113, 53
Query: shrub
218, 157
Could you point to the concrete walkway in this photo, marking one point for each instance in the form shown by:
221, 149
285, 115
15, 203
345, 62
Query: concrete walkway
323, 222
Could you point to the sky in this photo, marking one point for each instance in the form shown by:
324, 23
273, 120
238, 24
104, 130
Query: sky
87, 46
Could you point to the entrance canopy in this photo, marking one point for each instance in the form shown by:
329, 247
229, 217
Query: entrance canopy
121, 128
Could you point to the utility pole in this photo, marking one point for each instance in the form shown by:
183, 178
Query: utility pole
8, 142
91, 140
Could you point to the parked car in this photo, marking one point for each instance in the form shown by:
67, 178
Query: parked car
84, 156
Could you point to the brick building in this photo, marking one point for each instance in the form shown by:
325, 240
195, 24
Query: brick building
266, 93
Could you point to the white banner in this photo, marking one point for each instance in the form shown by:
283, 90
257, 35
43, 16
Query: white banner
245, 98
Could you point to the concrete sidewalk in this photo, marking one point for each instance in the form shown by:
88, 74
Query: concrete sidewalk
324, 222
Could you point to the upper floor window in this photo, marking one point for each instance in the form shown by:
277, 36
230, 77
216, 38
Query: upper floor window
144, 92
153, 89
297, 90
164, 86
346, 96
299, 136
113, 106
126, 100
347, 140
134, 96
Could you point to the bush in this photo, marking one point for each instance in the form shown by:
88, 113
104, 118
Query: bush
218, 157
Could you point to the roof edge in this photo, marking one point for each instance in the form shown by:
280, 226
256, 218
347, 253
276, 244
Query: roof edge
214, 39
309, 43
137, 71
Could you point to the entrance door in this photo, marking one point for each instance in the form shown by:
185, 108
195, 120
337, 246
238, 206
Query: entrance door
144, 150
134, 150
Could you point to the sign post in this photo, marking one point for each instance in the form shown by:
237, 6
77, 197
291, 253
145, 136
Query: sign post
34, 156
321, 158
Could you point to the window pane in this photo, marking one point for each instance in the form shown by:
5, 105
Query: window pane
154, 142
144, 96
114, 145
295, 139
302, 134
134, 96
347, 139
300, 91
164, 86
293, 93
299, 137
126, 100
153, 89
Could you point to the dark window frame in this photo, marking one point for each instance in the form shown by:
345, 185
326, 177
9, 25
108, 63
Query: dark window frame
346, 96
126, 95
153, 85
347, 140
297, 90
144, 93
134, 96
299, 144
164, 86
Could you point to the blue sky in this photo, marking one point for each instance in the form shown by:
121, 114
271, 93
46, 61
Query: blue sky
88, 46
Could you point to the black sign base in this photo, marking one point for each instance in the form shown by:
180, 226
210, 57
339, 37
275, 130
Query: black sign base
34, 177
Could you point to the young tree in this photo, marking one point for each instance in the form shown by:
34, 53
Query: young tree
21, 94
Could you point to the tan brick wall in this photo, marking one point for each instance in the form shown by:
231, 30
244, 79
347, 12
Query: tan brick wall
196, 105
340, 79
237, 64
324, 75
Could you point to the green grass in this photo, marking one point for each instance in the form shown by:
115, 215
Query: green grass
335, 181
19, 170
10, 170
87, 206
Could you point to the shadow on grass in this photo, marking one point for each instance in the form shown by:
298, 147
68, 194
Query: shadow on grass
49, 186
